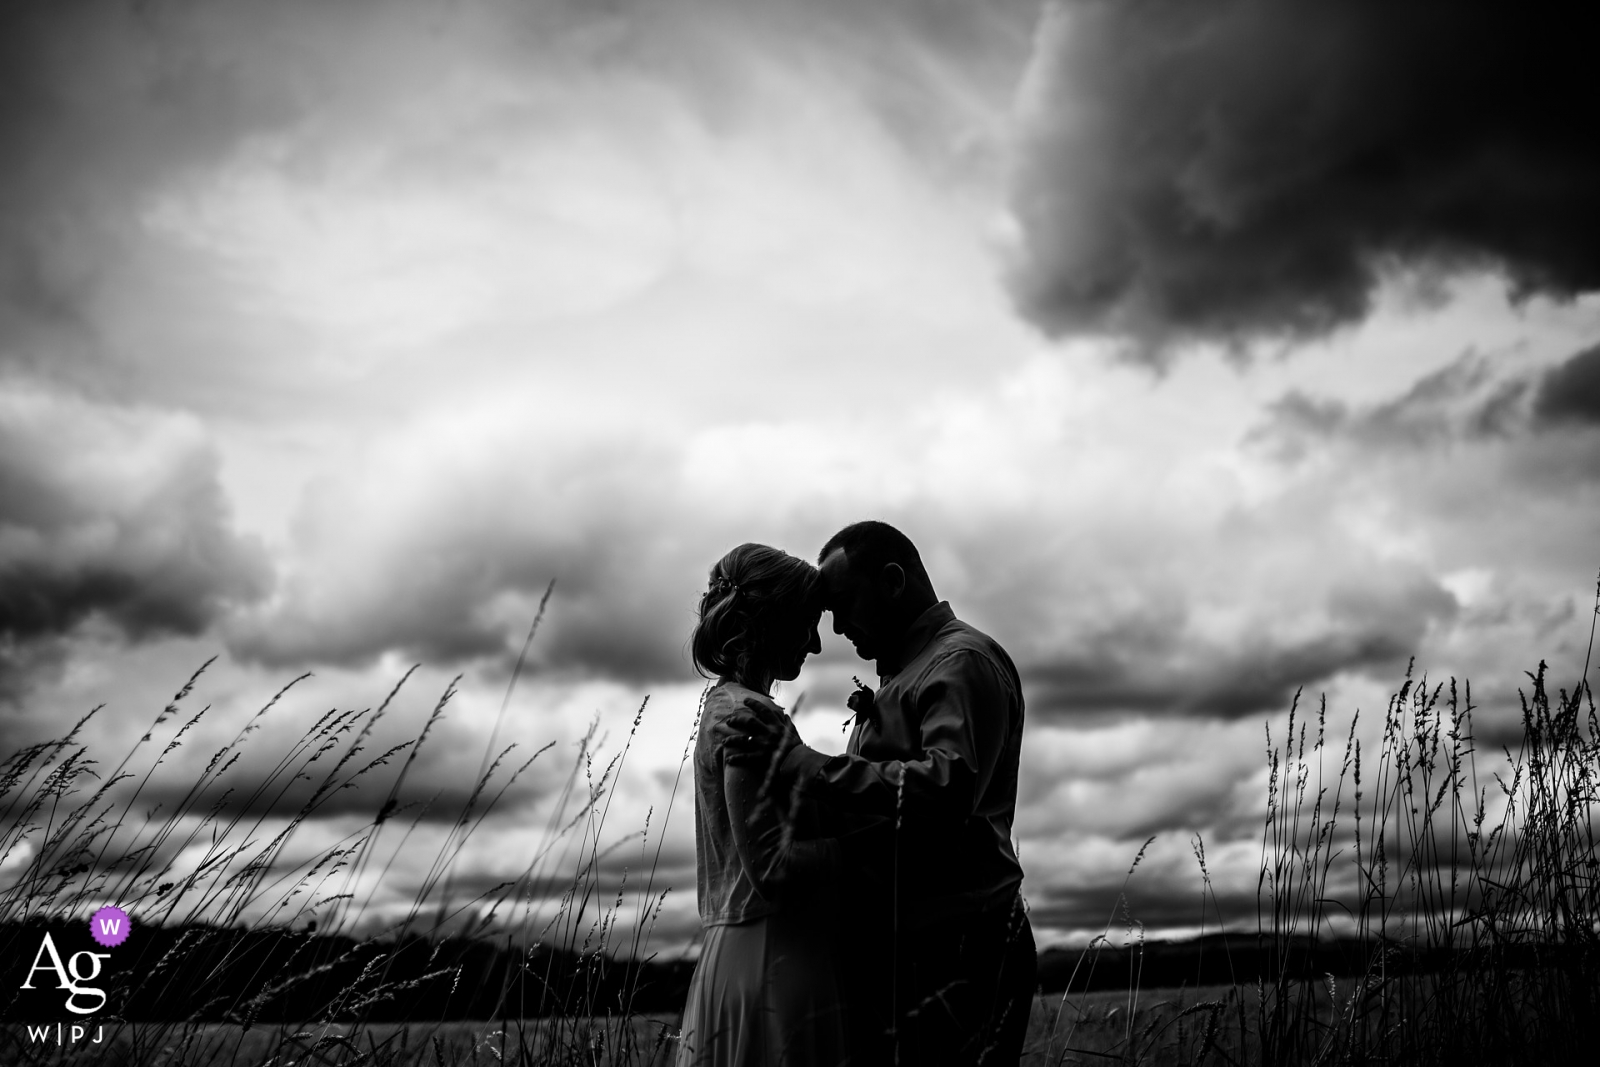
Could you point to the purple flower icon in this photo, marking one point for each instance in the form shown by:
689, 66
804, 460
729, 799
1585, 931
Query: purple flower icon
110, 926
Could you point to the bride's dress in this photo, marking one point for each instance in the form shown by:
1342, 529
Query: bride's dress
765, 991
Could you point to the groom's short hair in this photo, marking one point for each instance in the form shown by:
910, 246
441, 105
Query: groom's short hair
871, 545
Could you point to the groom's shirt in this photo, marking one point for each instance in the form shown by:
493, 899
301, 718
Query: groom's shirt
947, 719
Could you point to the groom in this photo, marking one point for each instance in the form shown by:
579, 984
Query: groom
940, 963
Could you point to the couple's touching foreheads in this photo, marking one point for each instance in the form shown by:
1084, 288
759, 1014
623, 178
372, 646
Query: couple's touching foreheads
859, 909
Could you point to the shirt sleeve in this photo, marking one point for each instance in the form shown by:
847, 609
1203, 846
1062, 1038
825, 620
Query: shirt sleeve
763, 810
964, 708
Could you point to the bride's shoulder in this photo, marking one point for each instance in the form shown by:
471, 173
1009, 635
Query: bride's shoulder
727, 697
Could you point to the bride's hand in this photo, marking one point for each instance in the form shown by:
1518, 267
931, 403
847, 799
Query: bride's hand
756, 733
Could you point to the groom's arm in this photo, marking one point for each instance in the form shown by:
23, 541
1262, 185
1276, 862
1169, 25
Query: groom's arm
763, 810
964, 707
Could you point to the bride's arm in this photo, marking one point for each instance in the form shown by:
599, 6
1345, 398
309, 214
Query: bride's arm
762, 811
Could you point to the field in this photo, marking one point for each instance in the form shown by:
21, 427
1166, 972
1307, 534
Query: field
1472, 899
401, 1044
1164, 1027
1087, 1028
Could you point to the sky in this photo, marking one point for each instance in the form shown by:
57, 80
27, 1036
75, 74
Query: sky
1209, 352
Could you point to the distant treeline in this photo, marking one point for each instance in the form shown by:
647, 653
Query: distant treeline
276, 975
1240, 959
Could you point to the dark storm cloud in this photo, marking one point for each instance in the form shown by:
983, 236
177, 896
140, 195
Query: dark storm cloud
1159, 666
116, 514
1570, 393
1239, 168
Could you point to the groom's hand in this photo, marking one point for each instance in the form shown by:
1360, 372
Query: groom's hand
756, 734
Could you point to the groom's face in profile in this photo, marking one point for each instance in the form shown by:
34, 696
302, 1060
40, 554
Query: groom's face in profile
860, 604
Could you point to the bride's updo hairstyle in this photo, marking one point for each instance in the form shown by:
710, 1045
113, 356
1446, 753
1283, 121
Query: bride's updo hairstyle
751, 588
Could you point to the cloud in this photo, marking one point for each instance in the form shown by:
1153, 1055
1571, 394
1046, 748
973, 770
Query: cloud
450, 568
229, 206
113, 514
1471, 398
1168, 665
1079, 884
1139, 775
108, 100
205, 204
1241, 169
434, 787
1470, 475
1517, 421
1570, 393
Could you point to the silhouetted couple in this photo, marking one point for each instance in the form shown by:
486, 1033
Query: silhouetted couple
863, 908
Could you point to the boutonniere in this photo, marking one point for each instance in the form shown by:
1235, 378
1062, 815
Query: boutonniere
861, 703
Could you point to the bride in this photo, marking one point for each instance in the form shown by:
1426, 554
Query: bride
764, 992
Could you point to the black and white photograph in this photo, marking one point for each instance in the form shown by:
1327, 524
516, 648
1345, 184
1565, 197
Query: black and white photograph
798, 533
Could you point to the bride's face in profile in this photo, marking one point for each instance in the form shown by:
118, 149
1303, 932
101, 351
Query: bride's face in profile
793, 639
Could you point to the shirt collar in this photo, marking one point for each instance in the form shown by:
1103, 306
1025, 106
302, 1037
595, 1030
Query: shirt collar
916, 639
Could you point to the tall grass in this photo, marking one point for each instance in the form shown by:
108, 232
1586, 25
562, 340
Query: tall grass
1474, 903
77, 835
1465, 902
